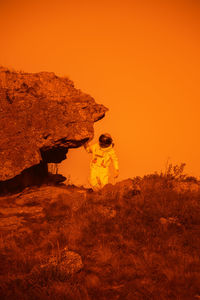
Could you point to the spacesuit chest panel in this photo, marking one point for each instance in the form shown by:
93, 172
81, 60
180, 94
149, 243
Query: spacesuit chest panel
100, 158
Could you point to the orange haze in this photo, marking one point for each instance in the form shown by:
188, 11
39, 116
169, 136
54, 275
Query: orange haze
139, 58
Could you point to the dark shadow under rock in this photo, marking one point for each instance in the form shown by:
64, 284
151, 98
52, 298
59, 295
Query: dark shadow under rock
35, 175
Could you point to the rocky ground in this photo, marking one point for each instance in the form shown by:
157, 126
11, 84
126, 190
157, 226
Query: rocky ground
139, 239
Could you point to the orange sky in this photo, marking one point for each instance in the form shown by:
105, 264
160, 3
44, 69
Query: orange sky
139, 58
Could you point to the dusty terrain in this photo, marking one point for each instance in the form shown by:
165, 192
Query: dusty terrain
137, 240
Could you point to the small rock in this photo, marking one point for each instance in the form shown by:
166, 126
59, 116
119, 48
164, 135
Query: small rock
170, 220
163, 221
66, 263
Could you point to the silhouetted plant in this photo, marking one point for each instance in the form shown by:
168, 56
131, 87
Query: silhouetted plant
175, 172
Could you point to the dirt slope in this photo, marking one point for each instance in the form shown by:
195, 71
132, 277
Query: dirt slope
64, 242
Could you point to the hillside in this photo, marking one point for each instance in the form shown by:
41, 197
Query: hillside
137, 240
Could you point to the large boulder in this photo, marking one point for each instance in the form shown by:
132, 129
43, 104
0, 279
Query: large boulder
41, 117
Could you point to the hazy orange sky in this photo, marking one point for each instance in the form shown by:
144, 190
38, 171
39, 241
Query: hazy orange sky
138, 58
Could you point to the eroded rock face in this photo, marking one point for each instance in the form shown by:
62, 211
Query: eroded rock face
41, 116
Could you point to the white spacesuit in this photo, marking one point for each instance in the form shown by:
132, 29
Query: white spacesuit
102, 155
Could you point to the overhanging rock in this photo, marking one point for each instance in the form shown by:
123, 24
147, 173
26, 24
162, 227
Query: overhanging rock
41, 117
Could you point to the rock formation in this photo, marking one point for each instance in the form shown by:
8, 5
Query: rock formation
41, 117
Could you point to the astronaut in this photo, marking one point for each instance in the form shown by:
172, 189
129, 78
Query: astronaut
102, 155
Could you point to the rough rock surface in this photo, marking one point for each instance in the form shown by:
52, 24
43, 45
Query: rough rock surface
122, 189
41, 116
17, 211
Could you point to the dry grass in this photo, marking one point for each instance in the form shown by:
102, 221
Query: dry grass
148, 249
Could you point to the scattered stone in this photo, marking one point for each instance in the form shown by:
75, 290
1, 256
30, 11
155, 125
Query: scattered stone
163, 221
66, 263
170, 220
